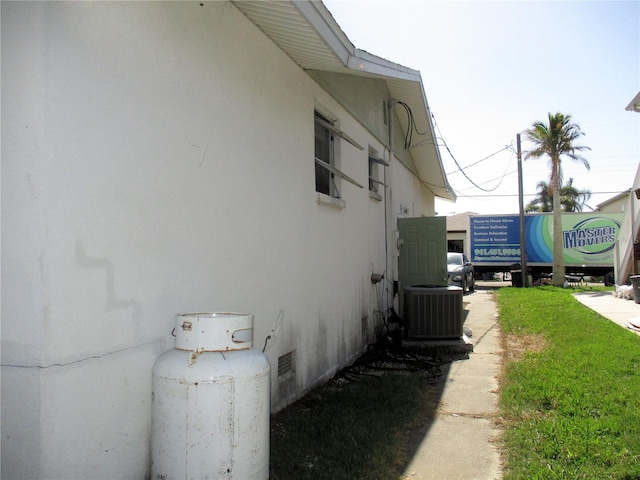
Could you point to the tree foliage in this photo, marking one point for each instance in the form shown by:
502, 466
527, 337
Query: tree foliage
571, 199
556, 140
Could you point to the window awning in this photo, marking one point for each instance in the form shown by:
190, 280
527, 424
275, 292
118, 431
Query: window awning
335, 171
378, 160
338, 132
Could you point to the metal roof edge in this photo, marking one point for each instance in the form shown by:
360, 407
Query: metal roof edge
634, 106
322, 21
353, 58
447, 187
363, 61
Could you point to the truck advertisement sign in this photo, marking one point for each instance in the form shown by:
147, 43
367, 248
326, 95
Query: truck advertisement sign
588, 238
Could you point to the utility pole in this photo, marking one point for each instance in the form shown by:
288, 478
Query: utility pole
523, 247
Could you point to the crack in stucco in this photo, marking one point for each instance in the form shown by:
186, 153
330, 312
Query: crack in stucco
80, 360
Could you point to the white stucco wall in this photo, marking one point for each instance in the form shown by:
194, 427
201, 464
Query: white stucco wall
629, 231
616, 206
157, 159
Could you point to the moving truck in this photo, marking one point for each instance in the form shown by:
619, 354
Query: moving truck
588, 242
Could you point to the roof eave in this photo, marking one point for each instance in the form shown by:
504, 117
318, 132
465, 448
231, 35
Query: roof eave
634, 106
326, 47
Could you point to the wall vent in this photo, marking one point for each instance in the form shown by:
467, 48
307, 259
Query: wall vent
285, 363
433, 312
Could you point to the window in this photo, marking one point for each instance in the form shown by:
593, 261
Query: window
375, 184
373, 176
325, 153
327, 174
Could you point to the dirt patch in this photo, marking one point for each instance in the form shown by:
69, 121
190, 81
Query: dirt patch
517, 346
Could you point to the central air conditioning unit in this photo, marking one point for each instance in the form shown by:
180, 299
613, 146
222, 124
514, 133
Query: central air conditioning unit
433, 312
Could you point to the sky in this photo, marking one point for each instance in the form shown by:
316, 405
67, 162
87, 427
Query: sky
491, 69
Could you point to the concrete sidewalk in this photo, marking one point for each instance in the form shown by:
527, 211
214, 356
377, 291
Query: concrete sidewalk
617, 310
460, 441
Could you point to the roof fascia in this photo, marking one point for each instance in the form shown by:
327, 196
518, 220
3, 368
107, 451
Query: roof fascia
634, 106
450, 194
354, 59
322, 21
365, 62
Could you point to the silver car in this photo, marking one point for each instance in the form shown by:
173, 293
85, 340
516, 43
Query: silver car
461, 272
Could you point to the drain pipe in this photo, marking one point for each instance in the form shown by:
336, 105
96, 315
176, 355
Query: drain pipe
387, 193
387, 199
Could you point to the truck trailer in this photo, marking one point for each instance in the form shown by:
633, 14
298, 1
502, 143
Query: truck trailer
588, 242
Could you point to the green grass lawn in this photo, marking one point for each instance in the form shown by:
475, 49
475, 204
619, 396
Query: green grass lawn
570, 396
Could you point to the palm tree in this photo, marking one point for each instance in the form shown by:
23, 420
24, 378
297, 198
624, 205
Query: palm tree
543, 202
556, 140
571, 199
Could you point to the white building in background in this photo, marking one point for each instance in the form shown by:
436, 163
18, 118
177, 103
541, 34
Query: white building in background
458, 234
627, 250
615, 204
170, 157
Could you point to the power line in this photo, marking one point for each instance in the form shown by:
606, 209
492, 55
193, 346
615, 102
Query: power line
411, 126
502, 177
460, 169
507, 147
526, 194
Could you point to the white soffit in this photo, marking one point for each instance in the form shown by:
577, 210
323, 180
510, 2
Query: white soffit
307, 32
284, 23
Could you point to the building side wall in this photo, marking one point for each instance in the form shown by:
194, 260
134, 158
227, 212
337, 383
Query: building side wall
367, 99
157, 159
617, 206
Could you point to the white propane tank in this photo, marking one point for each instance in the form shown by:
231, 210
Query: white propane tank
210, 409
